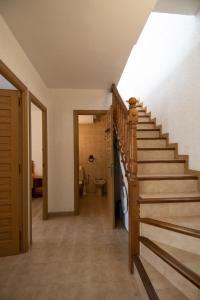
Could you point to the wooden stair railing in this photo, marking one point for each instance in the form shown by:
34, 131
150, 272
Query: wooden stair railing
125, 123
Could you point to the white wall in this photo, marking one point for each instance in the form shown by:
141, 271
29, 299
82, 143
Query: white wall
164, 71
185, 7
36, 130
60, 105
14, 57
61, 181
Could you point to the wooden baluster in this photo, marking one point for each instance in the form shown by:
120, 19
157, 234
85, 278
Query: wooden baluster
126, 128
122, 133
133, 185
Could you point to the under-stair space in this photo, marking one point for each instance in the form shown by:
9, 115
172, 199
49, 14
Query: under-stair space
164, 206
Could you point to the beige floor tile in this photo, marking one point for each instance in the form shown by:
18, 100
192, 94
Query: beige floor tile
75, 258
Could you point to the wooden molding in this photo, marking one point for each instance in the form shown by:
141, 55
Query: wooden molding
169, 161
168, 200
149, 149
172, 261
61, 214
166, 177
148, 129
172, 227
145, 279
152, 138
148, 122
43, 109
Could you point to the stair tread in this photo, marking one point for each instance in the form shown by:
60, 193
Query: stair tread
171, 225
170, 195
152, 138
192, 222
153, 148
162, 161
148, 129
167, 176
164, 288
171, 260
145, 122
189, 259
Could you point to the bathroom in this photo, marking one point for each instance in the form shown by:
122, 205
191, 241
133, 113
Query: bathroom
93, 155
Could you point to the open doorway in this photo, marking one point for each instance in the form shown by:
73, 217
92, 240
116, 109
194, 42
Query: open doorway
38, 163
93, 158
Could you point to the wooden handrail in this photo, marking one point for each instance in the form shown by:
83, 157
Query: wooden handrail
172, 261
125, 123
145, 279
172, 227
114, 90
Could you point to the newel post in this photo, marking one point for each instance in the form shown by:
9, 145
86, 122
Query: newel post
133, 185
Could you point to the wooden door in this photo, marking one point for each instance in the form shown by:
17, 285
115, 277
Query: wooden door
9, 173
110, 168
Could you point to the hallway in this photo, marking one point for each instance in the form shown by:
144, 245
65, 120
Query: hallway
71, 258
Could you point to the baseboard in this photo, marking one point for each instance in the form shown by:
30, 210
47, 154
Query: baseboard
61, 214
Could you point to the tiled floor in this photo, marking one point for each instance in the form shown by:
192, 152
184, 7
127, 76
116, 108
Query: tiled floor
71, 258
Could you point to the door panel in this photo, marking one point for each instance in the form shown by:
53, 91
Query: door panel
110, 168
9, 173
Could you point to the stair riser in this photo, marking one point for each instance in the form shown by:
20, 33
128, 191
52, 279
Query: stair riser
175, 239
185, 286
155, 154
151, 143
160, 168
142, 113
145, 126
148, 134
144, 119
160, 210
168, 186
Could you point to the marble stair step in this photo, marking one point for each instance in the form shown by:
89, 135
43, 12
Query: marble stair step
189, 259
144, 118
146, 125
161, 167
151, 143
176, 183
180, 232
156, 154
169, 197
163, 287
148, 133
143, 114
186, 280
169, 204
192, 222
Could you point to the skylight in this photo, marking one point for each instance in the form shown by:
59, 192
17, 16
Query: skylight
163, 44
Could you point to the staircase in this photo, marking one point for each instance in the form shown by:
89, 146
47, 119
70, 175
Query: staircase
167, 265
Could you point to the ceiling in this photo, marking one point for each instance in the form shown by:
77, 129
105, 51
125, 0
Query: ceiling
76, 43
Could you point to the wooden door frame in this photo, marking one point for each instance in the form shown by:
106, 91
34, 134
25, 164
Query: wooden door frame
76, 113
23, 148
43, 109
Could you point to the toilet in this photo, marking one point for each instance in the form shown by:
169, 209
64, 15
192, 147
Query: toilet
99, 186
